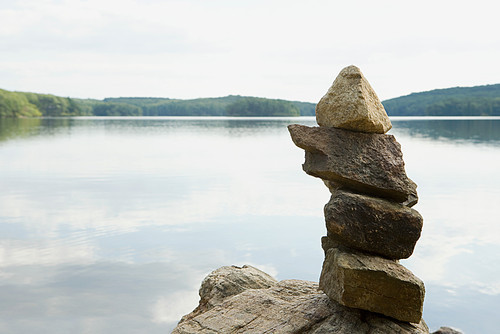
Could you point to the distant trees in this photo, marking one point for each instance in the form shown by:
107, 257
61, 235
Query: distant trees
18, 104
458, 101
51, 105
197, 107
252, 106
116, 109
14, 104
475, 106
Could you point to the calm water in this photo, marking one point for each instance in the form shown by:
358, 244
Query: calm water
109, 225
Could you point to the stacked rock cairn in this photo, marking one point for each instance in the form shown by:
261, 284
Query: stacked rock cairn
369, 220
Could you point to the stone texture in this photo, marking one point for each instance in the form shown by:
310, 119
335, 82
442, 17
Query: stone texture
372, 225
365, 162
351, 104
372, 283
328, 242
290, 306
446, 330
228, 281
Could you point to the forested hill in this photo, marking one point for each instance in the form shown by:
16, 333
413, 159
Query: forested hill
19, 104
458, 101
232, 105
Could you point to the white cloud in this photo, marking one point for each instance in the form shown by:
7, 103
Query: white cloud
171, 308
287, 49
46, 252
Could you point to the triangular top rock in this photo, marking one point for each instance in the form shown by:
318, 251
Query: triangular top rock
351, 104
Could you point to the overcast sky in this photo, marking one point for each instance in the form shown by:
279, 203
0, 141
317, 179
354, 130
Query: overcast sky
278, 49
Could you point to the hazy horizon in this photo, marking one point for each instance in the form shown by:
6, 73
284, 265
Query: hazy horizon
277, 49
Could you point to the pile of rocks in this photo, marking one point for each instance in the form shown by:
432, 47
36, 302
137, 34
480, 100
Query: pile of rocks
369, 220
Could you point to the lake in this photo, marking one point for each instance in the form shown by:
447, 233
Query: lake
108, 225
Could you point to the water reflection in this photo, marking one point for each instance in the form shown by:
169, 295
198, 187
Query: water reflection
110, 224
104, 297
479, 131
11, 128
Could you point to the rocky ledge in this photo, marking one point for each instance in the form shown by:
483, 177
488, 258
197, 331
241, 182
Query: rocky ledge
247, 300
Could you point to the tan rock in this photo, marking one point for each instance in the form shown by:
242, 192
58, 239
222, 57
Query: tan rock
351, 104
372, 283
231, 280
290, 306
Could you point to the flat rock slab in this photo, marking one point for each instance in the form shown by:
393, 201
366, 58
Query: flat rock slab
351, 104
372, 283
290, 306
369, 163
372, 224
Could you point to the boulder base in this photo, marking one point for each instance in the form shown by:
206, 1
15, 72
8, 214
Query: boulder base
352, 104
290, 306
372, 283
365, 162
373, 225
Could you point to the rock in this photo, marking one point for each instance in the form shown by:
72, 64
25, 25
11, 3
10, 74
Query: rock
373, 225
365, 162
290, 306
446, 330
411, 201
372, 283
351, 104
328, 242
228, 281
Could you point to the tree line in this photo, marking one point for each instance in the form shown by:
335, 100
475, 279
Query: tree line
457, 101
19, 104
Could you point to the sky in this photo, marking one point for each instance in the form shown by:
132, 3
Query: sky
276, 49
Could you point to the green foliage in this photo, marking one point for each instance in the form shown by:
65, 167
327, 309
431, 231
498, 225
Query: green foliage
138, 101
458, 101
54, 106
253, 106
197, 107
220, 106
17, 104
116, 109
13, 104
305, 108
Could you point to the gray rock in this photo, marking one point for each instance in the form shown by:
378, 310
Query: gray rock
372, 283
228, 281
372, 225
365, 162
446, 330
351, 104
290, 306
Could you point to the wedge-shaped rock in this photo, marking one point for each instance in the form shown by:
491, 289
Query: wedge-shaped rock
372, 283
351, 103
372, 224
365, 162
